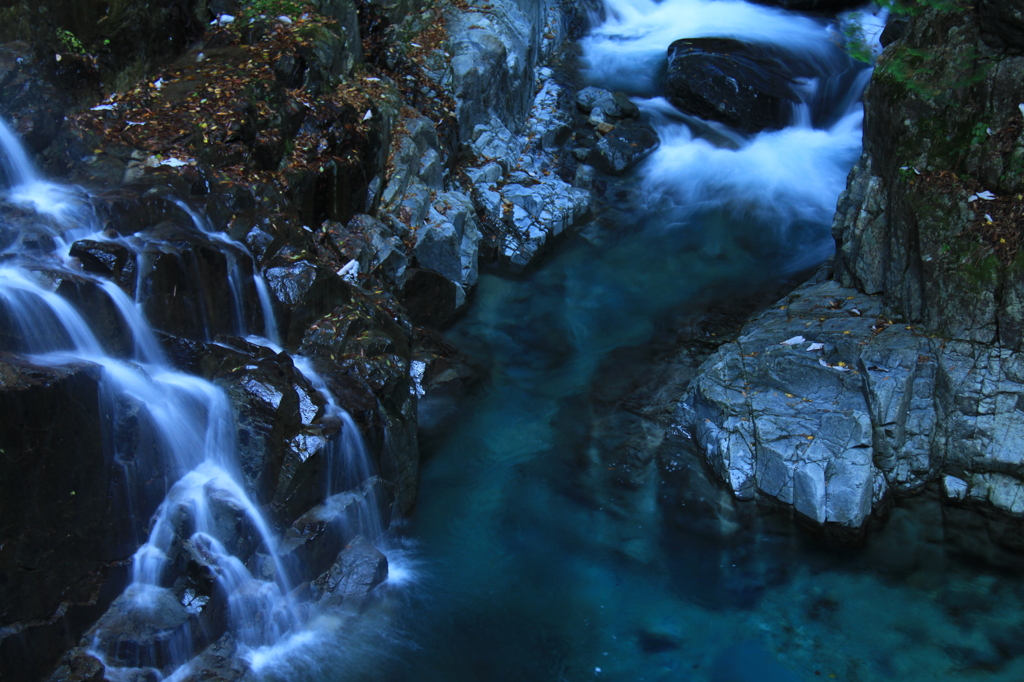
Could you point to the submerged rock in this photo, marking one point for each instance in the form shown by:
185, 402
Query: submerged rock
743, 85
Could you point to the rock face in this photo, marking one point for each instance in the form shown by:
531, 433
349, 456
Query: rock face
929, 216
904, 375
740, 84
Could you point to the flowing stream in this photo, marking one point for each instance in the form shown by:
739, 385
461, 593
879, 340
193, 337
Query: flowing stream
530, 565
524, 559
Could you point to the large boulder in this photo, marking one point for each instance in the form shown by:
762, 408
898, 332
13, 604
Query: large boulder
743, 85
825, 406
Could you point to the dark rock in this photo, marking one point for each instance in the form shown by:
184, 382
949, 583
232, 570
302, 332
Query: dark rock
109, 259
1002, 24
78, 666
316, 537
895, 28
28, 101
359, 568
304, 291
148, 626
429, 297
622, 148
60, 533
740, 84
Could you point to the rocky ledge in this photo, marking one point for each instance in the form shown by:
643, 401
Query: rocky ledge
902, 375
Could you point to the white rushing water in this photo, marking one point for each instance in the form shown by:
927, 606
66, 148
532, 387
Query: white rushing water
189, 456
777, 178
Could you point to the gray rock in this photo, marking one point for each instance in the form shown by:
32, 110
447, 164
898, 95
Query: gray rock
823, 405
449, 239
622, 148
359, 568
616, 105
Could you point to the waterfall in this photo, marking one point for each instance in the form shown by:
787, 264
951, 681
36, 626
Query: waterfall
210, 561
787, 180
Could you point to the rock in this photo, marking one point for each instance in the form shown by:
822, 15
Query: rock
148, 626
429, 297
359, 568
1002, 24
78, 666
622, 148
900, 228
743, 85
823, 405
62, 544
616, 105
109, 259
317, 537
30, 102
448, 240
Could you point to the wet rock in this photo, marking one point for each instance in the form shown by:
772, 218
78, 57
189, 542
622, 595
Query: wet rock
304, 291
109, 259
359, 568
622, 148
181, 276
62, 538
380, 251
615, 105
78, 666
279, 419
148, 626
740, 84
318, 536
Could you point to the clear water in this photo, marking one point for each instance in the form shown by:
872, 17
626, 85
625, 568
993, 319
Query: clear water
528, 563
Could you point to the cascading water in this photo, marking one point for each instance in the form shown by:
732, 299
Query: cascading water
549, 551
188, 581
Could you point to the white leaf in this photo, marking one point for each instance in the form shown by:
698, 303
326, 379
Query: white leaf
840, 369
1021, 107
368, 115
104, 107
285, 19
983, 194
823, 363
793, 341
815, 346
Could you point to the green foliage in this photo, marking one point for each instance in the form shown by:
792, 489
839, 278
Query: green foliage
978, 133
273, 8
70, 42
856, 40
914, 7
926, 71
